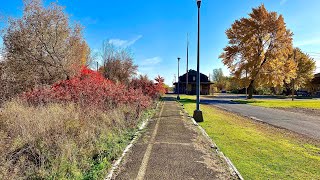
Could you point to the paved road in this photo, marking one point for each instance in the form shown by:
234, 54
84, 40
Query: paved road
172, 148
294, 121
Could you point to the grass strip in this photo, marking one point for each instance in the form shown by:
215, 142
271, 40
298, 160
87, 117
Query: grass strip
259, 151
309, 104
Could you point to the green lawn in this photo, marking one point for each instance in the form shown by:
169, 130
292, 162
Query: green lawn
259, 151
310, 104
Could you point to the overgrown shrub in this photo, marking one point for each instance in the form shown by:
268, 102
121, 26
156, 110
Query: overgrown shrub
72, 129
153, 90
41, 47
90, 88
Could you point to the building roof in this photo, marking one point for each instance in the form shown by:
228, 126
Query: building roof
192, 74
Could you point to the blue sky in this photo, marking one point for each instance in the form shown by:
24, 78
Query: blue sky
156, 30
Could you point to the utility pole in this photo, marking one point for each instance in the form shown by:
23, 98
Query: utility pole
187, 77
245, 83
178, 97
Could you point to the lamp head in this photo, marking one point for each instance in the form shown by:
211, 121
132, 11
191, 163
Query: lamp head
198, 3
179, 58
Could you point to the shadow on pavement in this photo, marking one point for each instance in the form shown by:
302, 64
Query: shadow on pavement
208, 101
217, 101
166, 98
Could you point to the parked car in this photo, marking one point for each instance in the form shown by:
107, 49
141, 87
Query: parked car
317, 94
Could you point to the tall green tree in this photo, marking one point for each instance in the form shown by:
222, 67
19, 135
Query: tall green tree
260, 45
220, 81
217, 75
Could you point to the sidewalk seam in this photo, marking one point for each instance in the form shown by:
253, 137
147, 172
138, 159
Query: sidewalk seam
232, 167
146, 156
116, 164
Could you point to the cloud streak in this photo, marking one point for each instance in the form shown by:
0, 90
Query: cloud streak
282, 2
151, 61
124, 43
150, 66
307, 42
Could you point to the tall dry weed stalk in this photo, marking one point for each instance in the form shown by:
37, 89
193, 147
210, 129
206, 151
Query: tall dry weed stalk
55, 140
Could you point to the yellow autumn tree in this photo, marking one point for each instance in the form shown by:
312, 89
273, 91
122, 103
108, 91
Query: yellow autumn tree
306, 67
259, 47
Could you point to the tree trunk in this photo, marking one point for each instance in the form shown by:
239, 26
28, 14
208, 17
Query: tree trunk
292, 92
250, 89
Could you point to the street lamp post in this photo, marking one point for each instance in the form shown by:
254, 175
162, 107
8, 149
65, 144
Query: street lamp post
187, 77
178, 97
197, 114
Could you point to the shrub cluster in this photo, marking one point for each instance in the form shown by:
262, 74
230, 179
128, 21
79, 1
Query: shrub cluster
72, 129
90, 88
153, 90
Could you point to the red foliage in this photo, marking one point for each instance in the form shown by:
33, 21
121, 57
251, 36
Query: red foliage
153, 90
89, 88
160, 85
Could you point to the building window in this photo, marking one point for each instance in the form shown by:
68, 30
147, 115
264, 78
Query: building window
194, 78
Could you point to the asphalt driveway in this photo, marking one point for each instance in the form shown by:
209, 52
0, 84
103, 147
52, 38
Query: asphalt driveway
298, 122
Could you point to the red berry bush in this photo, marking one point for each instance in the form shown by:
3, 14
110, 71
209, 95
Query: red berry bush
153, 90
90, 88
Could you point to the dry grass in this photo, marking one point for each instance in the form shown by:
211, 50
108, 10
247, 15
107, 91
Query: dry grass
60, 141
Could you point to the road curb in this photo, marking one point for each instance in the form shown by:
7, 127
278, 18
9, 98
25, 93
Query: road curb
137, 134
232, 168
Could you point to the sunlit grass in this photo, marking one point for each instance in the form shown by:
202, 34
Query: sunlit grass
310, 104
259, 151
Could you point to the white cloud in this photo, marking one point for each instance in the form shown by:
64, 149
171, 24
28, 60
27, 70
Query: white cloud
124, 43
283, 2
150, 66
308, 42
151, 61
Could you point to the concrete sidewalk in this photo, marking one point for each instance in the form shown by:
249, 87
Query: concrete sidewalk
172, 148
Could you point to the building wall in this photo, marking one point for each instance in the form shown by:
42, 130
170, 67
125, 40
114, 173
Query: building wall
204, 89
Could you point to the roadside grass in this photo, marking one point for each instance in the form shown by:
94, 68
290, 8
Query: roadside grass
309, 104
63, 141
259, 151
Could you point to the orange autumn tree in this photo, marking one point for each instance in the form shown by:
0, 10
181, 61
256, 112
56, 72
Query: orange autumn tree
259, 46
160, 86
306, 67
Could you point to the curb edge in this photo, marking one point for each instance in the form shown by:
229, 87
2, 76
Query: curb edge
232, 167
